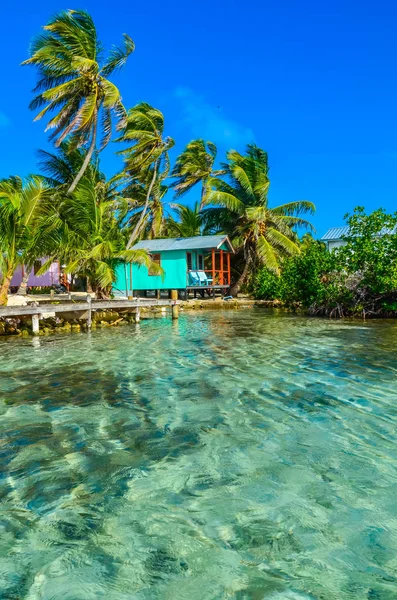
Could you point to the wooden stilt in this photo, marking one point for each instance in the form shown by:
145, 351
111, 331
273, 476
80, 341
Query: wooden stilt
175, 311
138, 314
35, 324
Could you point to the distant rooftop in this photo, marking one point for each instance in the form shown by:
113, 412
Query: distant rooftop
335, 233
199, 242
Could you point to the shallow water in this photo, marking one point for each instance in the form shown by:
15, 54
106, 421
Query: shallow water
229, 455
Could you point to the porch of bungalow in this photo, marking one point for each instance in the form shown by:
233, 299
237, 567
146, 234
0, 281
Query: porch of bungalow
198, 264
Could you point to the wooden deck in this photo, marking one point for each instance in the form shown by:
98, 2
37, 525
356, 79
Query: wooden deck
85, 308
77, 306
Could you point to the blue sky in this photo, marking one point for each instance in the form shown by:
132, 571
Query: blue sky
314, 83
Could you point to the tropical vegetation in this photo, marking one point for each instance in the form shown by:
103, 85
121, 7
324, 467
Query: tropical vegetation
70, 211
195, 165
73, 83
73, 213
360, 278
25, 208
239, 205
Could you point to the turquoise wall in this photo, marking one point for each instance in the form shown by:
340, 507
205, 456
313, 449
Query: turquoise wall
173, 264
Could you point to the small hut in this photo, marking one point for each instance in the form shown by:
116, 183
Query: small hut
200, 263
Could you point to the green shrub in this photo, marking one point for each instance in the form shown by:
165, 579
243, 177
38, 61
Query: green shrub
304, 277
266, 285
359, 278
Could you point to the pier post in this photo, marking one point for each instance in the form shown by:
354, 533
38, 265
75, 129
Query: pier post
175, 311
138, 314
89, 311
35, 324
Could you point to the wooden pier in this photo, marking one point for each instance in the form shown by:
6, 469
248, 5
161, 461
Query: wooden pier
36, 310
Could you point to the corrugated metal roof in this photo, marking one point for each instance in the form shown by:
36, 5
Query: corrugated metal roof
199, 242
335, 233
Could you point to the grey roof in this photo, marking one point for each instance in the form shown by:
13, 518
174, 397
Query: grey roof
198, 242
335, 233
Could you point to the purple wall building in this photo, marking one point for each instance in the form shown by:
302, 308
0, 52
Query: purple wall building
51, 277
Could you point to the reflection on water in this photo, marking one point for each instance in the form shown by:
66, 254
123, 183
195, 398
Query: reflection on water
234, 455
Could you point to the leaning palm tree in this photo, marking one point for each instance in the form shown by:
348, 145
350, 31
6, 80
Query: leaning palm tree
146, 160
73, 83
188, 221
195, 165
239, 206
154, 221
26, 215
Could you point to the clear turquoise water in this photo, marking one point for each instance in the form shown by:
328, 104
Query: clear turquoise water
231, 455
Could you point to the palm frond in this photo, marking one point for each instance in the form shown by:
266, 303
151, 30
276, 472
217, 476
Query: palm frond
118, 56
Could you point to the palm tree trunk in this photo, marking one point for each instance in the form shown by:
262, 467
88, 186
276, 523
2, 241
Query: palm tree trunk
137, 227
88, 157
203, 192
102, 293
4, 287
24, 283
235, 287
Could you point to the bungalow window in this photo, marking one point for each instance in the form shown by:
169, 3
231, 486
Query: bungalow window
200, 262
189, 261
36, 266
156, 259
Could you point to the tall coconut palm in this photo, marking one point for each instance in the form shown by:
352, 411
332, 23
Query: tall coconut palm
25, 226
147, 158
195, 165
239, 206
188, 222
73, 83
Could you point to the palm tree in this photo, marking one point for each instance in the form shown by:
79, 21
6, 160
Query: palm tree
239, 206
146, 160
61, 167
195, 165
189, 221
25, 226
92, 240
73, 82
153, 222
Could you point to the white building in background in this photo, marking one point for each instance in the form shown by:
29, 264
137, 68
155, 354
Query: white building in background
334, 237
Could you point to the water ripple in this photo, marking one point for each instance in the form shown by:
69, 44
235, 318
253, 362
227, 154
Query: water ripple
245, 455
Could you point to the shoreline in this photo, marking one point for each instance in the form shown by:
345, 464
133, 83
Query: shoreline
75, 322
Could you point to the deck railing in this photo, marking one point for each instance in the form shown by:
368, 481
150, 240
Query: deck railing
219, 271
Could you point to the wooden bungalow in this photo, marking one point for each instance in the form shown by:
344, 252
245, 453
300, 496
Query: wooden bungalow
198, 264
